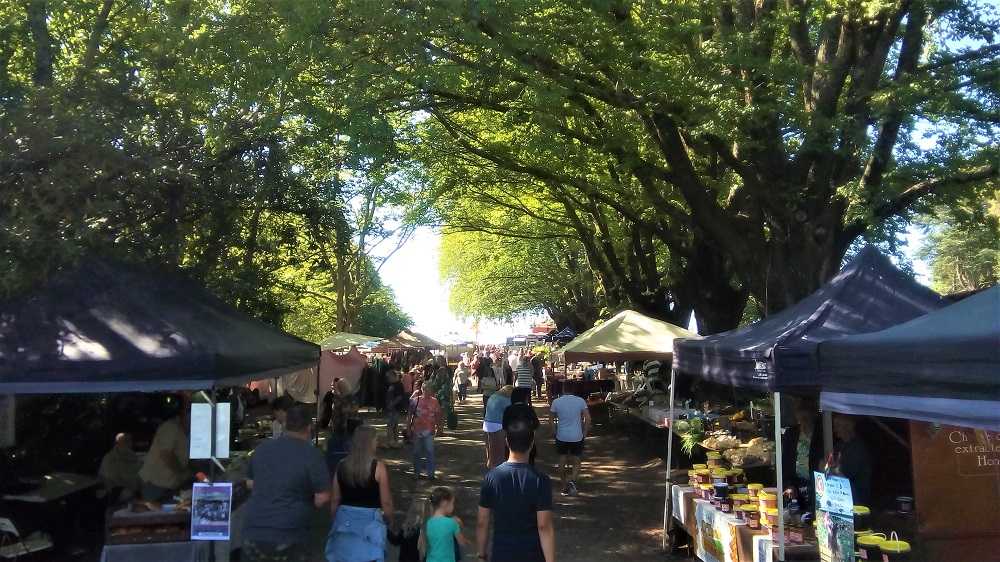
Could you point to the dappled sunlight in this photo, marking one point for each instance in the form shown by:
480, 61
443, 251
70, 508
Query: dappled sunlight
619, 508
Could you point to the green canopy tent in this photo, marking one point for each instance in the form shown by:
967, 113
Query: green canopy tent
628, 336
344, 340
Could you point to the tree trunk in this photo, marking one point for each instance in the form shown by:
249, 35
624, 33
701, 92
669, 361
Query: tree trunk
39, 27
706, 286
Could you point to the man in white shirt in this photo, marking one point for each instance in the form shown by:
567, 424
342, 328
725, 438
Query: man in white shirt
569, 419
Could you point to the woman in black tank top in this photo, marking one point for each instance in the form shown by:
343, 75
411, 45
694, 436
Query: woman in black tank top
361, 503
366, 495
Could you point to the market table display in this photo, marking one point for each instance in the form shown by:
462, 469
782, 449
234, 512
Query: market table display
721, 537
47, 505
163, 533
55, 486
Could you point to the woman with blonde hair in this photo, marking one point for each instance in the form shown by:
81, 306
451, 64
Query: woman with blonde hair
361, 503
494, 435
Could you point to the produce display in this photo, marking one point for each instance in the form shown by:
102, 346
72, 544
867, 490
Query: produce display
720, 440
692, 436
758, 451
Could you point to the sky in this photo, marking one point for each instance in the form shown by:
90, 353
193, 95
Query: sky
412, 272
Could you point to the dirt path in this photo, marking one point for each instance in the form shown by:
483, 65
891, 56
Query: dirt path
618, 513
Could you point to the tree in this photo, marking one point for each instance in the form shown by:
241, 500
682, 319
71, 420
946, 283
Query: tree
962, 245
496, 277
755, 141
192, 135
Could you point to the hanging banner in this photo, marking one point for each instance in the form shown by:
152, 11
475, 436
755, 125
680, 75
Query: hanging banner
211, 511
835, 517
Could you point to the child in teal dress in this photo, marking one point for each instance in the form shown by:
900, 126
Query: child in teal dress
442, 531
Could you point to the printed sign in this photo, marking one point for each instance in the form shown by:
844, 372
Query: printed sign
211, 511
835, 518
716, 540
201, 431
708, 547
977, 452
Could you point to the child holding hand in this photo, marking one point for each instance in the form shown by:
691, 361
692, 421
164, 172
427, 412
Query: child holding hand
408, 537
437, 541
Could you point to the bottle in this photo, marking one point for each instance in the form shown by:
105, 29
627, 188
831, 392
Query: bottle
795, 533
794, 513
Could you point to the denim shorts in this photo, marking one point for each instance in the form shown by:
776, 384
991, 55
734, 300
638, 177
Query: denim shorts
393, 419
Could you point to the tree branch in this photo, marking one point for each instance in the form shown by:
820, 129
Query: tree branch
918, 191
982, 52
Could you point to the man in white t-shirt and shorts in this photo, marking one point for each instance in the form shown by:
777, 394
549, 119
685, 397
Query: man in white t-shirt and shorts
569, 419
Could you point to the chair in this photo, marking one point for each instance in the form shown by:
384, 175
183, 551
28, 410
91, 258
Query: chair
12, 547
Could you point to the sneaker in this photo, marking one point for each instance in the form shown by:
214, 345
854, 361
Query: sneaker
565, 490
432, 478
572, 488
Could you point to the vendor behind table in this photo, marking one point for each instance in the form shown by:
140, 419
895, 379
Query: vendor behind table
166, 466
119, 470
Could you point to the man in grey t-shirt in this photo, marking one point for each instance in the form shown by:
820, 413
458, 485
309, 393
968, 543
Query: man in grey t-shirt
288, 479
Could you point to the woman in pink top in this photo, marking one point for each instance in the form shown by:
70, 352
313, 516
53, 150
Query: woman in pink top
407, 379
424, 420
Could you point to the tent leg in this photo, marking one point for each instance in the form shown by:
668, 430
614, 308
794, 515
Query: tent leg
670, 458
827, 433
781, 482
319, 411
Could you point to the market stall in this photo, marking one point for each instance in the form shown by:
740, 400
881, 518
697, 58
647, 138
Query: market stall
942, 372
777, 353
627, 336
408, 339
104, 327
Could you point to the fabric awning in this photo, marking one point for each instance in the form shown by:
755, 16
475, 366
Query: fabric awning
942, 367
344, 340
628, 336
104, 327
778, 352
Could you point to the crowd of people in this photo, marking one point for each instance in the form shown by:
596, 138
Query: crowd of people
515, 498
289, 477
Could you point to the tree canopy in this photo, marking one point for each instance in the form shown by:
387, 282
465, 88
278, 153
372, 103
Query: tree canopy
203, 135
962, 245
754, 142
694, 154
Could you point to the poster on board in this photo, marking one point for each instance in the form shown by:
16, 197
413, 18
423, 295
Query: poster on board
211, 511
835, 518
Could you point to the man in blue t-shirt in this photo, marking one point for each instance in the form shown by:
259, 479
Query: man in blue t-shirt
519, 498
288, 479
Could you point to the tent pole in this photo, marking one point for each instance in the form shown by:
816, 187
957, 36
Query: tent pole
670, 458
781, 482
319, 407
827, 433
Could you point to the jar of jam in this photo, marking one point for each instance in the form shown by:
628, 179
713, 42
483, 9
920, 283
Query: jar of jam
726, 505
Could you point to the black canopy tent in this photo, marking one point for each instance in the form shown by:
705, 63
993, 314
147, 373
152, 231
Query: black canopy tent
779, 352
103, 327
943, 367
